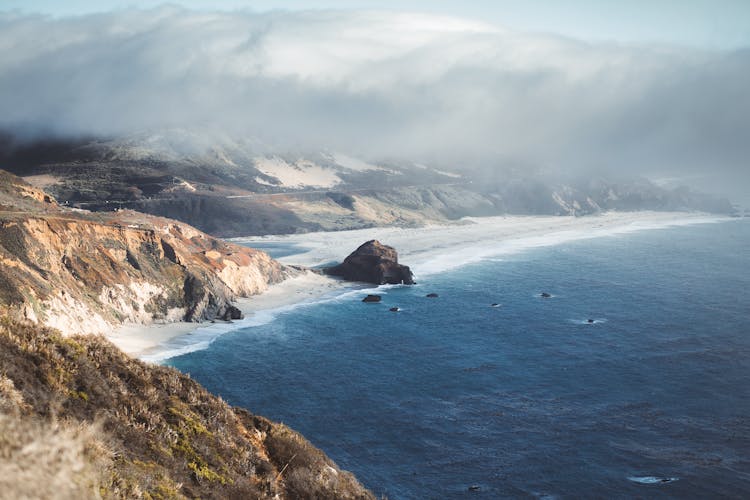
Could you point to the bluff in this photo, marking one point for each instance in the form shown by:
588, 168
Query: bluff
79, 418
84, 272
373, 262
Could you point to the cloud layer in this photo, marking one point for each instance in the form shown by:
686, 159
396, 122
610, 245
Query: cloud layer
383, 84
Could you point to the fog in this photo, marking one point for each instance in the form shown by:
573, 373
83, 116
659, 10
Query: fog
382, 84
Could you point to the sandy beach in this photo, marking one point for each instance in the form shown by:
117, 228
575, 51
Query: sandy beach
428, 250
151, 341
432, 249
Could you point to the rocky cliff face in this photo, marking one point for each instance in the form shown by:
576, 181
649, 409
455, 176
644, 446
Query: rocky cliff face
83, 272
80, 419
373, 262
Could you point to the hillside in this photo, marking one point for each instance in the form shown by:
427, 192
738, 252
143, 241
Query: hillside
231, 188
84, 272
79, 419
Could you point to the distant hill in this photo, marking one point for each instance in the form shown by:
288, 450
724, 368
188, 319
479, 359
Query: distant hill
228, 188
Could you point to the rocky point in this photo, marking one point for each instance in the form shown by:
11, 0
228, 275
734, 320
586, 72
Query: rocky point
375, 263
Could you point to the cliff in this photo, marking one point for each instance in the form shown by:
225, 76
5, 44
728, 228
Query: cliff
83, 272
79, 419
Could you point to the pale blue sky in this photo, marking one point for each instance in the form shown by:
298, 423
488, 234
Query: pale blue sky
702, 23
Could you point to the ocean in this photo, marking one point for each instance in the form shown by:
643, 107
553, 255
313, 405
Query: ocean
453, 398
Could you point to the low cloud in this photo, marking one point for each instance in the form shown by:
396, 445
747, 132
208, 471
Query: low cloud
382, 84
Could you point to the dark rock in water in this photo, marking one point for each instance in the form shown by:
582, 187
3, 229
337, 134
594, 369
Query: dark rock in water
432, 295
590, 321
545, 295
395, 309
373, 262
232, 312
371, 298
474, 487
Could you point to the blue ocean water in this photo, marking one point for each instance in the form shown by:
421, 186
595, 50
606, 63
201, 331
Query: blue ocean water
527, 399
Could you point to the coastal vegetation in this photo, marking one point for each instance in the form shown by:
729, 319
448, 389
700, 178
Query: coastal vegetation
81, 419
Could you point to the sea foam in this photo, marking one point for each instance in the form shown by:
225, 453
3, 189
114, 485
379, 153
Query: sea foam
428, 251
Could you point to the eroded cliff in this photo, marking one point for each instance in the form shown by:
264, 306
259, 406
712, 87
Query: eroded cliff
83, 272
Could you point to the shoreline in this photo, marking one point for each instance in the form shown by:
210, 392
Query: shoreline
428, 250
154, 342
436, 248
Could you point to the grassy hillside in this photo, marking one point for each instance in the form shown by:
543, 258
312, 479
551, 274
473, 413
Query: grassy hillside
79, 419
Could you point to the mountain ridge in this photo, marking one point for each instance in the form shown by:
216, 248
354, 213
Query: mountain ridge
232, 188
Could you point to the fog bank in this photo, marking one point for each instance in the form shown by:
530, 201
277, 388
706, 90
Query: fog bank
382, 84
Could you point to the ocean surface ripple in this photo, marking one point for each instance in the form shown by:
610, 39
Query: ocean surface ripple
452, 398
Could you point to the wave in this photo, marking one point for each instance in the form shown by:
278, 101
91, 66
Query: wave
202, 337
449, 258
588, 321
652, 479
444, 253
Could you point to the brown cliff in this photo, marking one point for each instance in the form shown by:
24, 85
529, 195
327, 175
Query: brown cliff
83, 272
80, 419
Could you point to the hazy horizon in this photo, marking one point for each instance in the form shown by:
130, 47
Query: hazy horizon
432, 86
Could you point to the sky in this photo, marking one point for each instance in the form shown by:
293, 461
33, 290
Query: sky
701, 23
657, 87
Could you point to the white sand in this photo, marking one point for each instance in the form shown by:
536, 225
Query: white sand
136, 340
427, 250
149, 341
297, 175
434, 249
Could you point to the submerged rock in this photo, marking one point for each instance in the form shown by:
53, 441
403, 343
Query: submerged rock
372, 298
373, 262
652, 479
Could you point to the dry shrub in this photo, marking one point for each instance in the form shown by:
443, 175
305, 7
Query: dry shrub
306, 471
49, 459
170, 437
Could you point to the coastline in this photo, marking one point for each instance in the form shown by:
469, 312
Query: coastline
428, 250
154, 342
436, 248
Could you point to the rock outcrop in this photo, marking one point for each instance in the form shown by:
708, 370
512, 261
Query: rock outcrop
85, 272
373, 262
